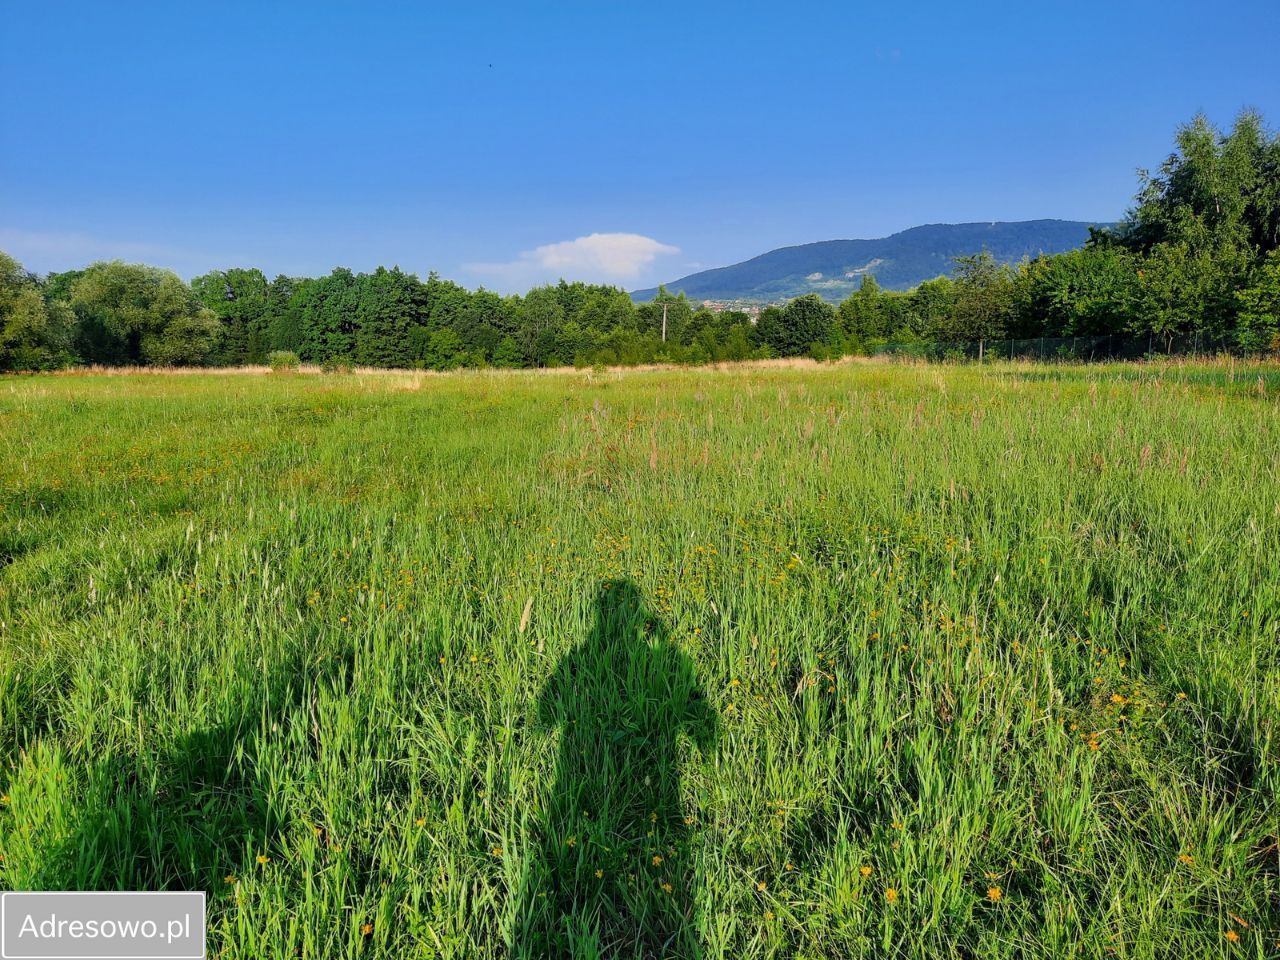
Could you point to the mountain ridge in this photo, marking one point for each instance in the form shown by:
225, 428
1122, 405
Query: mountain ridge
834, 268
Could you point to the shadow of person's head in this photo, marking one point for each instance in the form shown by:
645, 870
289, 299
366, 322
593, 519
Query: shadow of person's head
622, 615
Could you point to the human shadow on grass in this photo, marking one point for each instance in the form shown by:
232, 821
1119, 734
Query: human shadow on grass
614, 874
193, 815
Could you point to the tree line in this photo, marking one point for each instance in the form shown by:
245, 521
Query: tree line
1199, 253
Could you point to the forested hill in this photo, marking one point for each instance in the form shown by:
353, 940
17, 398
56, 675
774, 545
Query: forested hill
834, 268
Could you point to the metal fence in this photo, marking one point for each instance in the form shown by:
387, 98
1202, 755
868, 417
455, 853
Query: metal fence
1107, 347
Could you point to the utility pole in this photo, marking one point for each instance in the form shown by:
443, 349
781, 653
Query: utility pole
664, 321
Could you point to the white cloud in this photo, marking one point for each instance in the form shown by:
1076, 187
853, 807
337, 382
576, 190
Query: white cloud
600, 257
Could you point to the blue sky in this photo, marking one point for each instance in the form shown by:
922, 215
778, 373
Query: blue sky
509, 143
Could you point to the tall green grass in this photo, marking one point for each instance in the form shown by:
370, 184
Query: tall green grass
845, 661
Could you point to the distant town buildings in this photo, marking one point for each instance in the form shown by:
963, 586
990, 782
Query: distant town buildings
751, 309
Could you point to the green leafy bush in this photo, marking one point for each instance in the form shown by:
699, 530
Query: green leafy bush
283, 361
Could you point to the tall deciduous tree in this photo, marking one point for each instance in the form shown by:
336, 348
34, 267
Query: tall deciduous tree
928, 309
283, 322
130, 313
803, 322
34, 334
1259, 304
1082, 293
1214, 190
240, 300
327, 317
983, 302
540, 316
1202, 222
862, 314
389, 306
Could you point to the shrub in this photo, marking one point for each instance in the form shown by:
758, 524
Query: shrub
872, 345
336, 365
697, 354
283, 361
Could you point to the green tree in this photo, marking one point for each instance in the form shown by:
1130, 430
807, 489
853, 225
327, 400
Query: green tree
1258, 324
389, 304
768, 329
928, 309
507, 353
607, 308
484, 320
34, 334
793, 330
239, 298
983, 301
1183, 291
1086, 292
736, 343
444, 350
1202, 223
283, 321
679, 313
540, 318
1214, 190
130, 313
862, 314
327, 316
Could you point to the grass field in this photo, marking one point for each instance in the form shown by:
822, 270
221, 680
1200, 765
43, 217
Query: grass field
866, 660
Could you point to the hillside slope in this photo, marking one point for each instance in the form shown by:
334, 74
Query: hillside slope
833, 268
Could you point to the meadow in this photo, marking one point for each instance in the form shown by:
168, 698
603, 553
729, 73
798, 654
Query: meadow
814, 661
